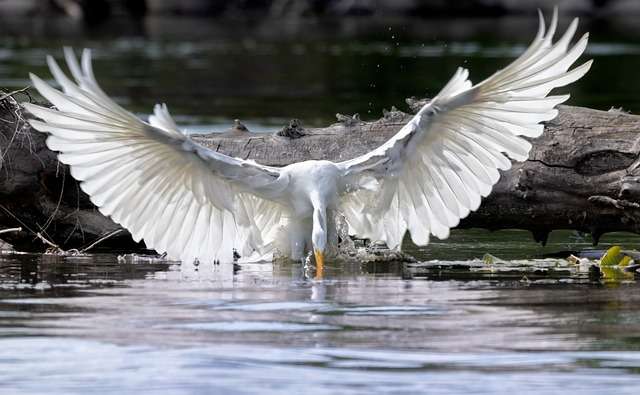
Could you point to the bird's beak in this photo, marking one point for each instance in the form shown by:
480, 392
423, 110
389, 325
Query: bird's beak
319, 264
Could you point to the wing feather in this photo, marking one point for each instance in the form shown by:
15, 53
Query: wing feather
177, 196
437, 168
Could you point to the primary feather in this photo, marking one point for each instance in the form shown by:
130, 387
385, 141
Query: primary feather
194, 203
178, 196
437, 168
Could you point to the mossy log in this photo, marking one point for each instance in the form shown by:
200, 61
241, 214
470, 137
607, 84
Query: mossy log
582, 174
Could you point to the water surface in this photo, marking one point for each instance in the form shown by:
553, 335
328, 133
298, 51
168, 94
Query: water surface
113, 325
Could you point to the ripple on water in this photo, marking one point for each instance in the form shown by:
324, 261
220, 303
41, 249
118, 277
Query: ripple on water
274, 306
391, 310
252, 326
237, 369
328, 308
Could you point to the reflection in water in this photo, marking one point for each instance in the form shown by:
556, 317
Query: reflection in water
146, 325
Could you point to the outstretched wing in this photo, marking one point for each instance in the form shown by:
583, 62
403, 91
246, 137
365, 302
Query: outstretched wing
180, 197
437, 168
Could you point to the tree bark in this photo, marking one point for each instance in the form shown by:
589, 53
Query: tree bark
582, 174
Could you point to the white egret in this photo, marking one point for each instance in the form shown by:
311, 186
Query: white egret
195, 203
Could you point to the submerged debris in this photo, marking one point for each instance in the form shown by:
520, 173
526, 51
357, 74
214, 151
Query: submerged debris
614, 266
55, 249
141, 258
524, 271
381, 253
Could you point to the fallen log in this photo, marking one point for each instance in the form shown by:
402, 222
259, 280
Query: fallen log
582, 174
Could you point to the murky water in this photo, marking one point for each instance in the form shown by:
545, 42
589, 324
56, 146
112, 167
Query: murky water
103, 324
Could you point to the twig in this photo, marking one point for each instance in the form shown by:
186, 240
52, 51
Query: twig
46, 241
10, 94
54, 248
10, 230
16, 218
38, 235
100, 240
19, 122
55, 211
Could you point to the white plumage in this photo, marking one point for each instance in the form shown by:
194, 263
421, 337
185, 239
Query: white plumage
195, 203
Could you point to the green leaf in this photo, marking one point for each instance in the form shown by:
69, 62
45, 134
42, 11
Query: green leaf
626, 260
615, 274
612, 257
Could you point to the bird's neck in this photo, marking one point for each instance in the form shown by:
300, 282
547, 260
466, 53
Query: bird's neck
319, 232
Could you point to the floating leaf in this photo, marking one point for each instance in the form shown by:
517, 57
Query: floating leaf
612, 257
626, 260
615, 274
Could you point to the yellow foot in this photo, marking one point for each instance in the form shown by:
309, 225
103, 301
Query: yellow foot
319, 264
